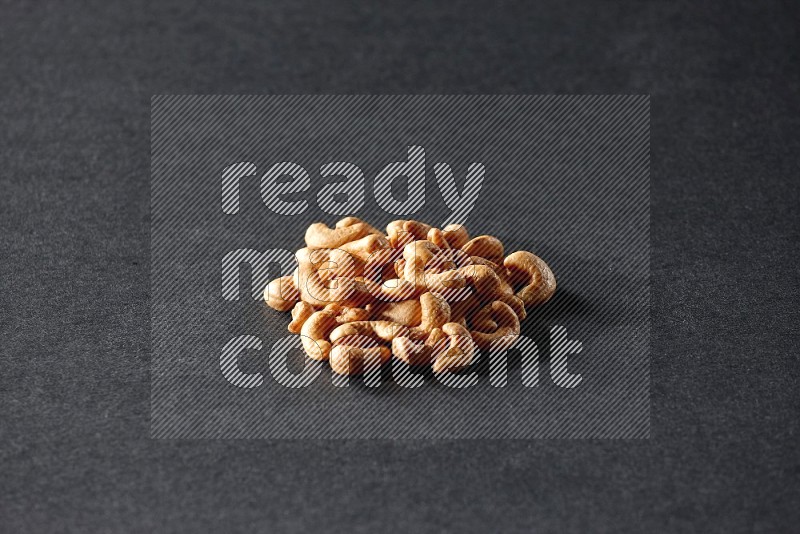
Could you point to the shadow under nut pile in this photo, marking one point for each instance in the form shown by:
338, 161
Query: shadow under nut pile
427, 296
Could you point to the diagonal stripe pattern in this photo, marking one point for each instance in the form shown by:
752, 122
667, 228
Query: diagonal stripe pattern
566, 177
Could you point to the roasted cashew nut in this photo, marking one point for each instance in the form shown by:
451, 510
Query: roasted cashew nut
504, 323
458, 352
407, 312
400, 233
315, 331
417, 255
533, 274
376, 330
281, 294
485, 246
319, 235
300, 314
319, 326
456, 235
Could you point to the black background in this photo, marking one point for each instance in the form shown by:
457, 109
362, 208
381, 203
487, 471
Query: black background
76, 87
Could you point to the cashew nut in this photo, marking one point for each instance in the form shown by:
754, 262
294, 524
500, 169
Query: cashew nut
349, 229
502, 320
485, 246
281, 294
536, 278
300, 314
457, 355
456, 235
315, 331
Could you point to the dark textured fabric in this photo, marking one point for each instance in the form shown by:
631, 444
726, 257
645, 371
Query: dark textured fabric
77, 82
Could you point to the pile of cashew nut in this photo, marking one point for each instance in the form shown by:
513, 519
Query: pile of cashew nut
428, 296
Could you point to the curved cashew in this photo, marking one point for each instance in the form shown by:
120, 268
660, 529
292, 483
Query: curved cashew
345, 314
505, 322
417, 255
534, 275
315, 330
364, 249
318, 235
407, 312
436, 237
321, 280
456, 235
352, 221
281, 294
417, 353
376, 330
485, 246
300, 314
458, 353
400, 232
435, 312
320, 325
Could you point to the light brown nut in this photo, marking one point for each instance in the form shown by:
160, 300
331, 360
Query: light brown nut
456, 235
435, 312
405, 312
315, 331
352, 221
417, 255
300, 313
345, 314
365, 248
375, 330
415, 352
321, 281
532, 275
456, 353
507, 328
436, 237
319, 235
484, 246
402, 232
281, 294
